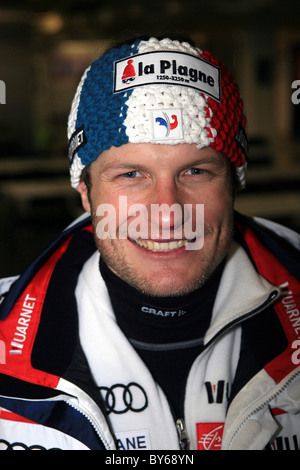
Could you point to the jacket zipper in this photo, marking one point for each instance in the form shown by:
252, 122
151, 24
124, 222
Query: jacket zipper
86, 414
184, 441
91, 421
261, 405
269, 301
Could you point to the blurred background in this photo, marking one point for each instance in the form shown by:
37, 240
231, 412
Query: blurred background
44, 49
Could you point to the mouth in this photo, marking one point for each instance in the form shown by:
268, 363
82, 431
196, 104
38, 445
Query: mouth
156, 246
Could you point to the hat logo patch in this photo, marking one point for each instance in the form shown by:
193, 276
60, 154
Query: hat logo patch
167, 124
168, 68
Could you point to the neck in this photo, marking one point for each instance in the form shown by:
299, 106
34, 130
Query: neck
161, 319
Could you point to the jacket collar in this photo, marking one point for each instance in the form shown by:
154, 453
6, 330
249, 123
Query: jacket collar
243, 292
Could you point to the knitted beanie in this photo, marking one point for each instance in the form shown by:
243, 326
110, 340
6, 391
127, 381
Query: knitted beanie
160, 92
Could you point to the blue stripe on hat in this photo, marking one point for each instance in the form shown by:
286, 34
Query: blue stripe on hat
100, 111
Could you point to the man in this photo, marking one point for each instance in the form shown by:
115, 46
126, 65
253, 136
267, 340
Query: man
166, 320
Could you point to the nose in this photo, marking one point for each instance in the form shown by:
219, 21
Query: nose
167, 211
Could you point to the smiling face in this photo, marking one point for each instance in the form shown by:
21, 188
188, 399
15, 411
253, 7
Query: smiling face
150, 174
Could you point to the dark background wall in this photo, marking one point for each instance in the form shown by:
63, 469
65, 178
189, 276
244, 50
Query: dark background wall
44, 49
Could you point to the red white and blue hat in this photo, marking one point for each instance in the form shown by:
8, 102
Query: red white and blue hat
160, 92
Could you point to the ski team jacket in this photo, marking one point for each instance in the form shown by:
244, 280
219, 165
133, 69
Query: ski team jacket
48, 399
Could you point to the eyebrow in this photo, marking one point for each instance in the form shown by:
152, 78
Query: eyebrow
204, 161
122, 166
138, 166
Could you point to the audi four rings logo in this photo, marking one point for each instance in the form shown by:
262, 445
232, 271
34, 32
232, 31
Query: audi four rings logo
5, 445
120, 398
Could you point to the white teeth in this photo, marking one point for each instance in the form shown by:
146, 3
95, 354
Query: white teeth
161, 246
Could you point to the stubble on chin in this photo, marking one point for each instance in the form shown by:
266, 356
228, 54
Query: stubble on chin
113, 252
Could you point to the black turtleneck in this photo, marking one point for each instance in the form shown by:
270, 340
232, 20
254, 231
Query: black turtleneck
167, 332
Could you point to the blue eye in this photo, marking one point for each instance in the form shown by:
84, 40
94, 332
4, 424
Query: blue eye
131, 174
196, 171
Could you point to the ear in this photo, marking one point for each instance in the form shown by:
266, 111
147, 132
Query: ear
82, 189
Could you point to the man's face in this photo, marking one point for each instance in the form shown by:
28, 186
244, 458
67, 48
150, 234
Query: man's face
151, 174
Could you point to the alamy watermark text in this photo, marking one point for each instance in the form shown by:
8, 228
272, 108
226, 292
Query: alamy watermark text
2, 92
159, 221
296, 94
